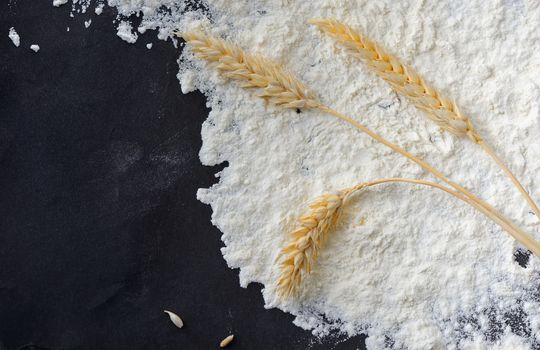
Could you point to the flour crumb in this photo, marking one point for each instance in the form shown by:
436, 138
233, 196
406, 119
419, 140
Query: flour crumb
15, 38
67, 29
58, 3
187, 81
149, 46
34, 47
99, 9
125, 32
81, 6
87, 23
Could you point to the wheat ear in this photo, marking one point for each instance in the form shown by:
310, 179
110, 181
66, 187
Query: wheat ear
408, 83
300, 255
276, 85
233, 63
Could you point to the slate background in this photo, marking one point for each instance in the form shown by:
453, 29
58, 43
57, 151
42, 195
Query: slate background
100, 229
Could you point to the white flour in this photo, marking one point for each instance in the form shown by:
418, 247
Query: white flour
412, 267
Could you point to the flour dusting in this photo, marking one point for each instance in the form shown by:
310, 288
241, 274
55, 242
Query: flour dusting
411, 267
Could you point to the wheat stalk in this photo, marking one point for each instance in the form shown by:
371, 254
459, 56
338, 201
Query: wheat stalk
300, 255
408, 83
283, 89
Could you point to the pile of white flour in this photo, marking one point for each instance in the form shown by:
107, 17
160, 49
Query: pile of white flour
411, 267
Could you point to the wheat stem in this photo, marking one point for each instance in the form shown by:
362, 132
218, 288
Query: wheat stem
518, 234
489, 150
408, 83
283, 89
424, 165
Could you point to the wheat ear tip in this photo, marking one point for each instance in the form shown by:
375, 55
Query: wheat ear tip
189, 36
322, 23
315, 21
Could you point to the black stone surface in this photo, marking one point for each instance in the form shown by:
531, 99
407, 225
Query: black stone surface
100, 229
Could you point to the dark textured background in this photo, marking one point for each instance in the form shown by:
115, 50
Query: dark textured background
100, 229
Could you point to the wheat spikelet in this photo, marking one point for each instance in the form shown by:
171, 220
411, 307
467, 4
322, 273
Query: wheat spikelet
276, 85
402, 78
298, 257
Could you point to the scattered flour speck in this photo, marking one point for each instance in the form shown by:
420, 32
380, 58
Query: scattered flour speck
125, 32
187, 82
15, 38
99, 9
58, 3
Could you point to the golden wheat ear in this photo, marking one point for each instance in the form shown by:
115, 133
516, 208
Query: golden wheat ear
300, 255
275, 85
401, 77
405, 81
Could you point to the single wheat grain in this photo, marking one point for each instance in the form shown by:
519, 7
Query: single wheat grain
175, 319
225, 342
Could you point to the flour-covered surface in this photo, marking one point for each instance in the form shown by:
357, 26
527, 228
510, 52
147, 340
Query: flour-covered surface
411, 267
